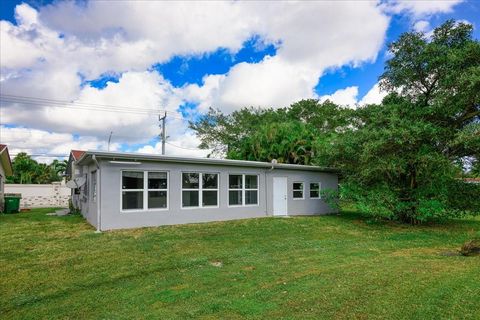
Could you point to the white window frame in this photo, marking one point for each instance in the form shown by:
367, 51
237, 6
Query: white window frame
303, 190
145, 191
310, 190
243, 189
200, 190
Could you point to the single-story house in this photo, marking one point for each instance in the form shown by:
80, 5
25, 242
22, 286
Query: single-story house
128, 190
6, 170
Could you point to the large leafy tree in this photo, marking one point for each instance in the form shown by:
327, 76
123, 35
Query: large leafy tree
284, 134
287, 142
402, 157
225, 133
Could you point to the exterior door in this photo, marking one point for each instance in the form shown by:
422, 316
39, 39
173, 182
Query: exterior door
280, 196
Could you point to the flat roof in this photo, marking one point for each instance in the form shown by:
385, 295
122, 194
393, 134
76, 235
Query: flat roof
209, 161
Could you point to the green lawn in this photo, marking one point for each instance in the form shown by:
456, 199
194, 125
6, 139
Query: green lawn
307, 267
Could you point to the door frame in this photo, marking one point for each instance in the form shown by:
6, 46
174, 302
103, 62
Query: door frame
285, 179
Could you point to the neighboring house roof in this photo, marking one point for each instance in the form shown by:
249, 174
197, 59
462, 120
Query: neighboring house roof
210, 161
5, 160
75, 155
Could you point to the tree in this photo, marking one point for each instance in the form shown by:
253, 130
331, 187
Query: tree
59, 166
23, 169
265, 134
223, 133
401, 158
26, 170
288, 142
475, 171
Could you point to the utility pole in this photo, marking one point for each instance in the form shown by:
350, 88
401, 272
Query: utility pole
163, 131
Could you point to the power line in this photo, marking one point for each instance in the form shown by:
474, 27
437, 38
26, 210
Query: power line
84, 105
89, 104
174, 145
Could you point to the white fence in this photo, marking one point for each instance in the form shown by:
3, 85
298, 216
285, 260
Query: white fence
41, 195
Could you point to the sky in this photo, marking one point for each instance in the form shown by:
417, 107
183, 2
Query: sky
74, 72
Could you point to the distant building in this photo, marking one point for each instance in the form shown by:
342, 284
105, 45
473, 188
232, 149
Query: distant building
6, 170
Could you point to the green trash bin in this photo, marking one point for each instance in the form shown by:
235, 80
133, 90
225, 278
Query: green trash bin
12, 203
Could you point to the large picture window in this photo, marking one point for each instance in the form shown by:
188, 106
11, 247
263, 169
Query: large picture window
242, 190
298, 190
199, 189
144, 190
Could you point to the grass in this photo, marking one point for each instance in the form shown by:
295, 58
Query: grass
336, 267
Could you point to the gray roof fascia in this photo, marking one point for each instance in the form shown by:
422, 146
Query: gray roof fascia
208, 161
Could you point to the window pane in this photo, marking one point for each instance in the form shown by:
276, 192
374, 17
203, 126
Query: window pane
314, 194
298, 194
132, 180
209, 198
251, 197
190, 198
132, 200
190, 180
314, 190
251, 182
298, 186
157, 180
157, 199
235, 181
235, 198
210, 181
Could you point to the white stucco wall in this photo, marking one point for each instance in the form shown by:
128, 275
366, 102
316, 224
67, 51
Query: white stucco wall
40, 195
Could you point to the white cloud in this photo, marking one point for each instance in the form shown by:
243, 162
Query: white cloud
344, 97
313, 37
39, 142
348, 96
139, 91
421, 26
373, 96
420, 8
131, 37
183, 146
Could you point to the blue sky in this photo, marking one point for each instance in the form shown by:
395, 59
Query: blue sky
236, 61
